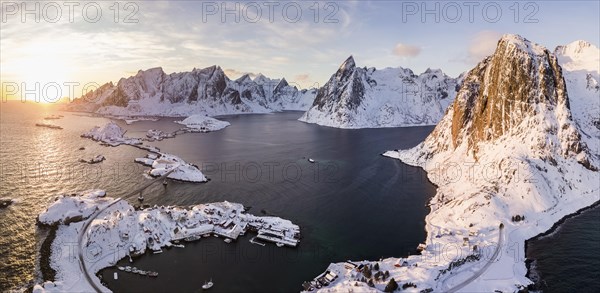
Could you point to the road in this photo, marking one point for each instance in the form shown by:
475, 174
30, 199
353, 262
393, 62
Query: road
98, 287
485, 267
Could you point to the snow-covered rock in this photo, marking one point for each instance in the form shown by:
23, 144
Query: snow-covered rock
357, 97
162, 163
201, 91
201, 122
580, 61
154, 134
507, 147
73, 208
111, 134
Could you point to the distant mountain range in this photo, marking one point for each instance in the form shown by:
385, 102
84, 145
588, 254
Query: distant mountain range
356, 97
208, 91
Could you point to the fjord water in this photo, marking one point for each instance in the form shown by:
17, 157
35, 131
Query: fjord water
351, 204
36, 164
568, 259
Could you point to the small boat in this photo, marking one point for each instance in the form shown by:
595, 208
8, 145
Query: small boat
121, 268
227, 240
311, 160
208, 285
206, 235
143, 273
128, 269
158, 251
279, 244
216, 235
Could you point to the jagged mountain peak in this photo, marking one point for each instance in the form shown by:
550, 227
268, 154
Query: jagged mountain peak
200, 91
579, 55
575, 47
261, 79
347, 64
282, 83
517, 95
511, 119
244, 79
510, 42
151, 71
361, 97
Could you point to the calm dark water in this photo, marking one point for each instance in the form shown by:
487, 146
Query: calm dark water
351, 204
568, 260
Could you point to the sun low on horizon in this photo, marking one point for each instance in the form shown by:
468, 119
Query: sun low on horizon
299, 146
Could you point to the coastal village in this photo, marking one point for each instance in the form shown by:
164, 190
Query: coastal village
118, 228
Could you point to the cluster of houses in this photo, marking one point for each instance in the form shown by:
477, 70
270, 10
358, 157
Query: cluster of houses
322, 280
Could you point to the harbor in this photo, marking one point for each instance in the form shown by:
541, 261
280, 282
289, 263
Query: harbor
231, 222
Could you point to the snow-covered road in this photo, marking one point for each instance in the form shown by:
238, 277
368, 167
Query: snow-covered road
82, 264
485, 267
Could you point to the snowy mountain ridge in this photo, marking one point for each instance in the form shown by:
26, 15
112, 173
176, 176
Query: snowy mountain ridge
581, 63
208, 91
356, 97
510, 159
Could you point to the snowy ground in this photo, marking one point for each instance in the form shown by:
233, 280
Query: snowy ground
120, 230
111, 134
201, 122
531, 172
162, 163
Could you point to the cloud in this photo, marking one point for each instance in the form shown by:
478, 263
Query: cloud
404, 50
233, 74
482, 45
302, 77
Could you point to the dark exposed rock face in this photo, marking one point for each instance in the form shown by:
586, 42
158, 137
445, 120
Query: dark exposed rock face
344, 89
360, 97
519, 87
501, 91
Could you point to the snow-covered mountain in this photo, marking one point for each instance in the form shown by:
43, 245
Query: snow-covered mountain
356, 97
202, 91
510, 161
580, 61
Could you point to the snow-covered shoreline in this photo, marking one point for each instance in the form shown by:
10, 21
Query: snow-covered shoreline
202, 123
119, 231
161, 163
502, 181
528, 261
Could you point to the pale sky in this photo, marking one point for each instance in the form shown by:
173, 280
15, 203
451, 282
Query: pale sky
304, 42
